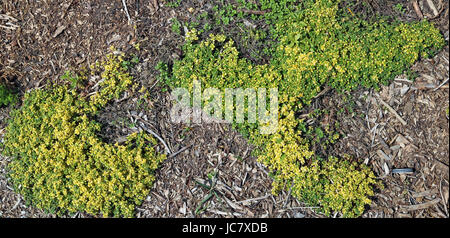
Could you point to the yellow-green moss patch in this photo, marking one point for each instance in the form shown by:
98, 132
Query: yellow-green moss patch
59, 164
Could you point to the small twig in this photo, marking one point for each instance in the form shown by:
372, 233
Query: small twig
417, 9
350, 11
383, 155
433, 7
369, 101
8, 28
253, 199
325, 90
126, 12
393, 111
91, 93
98, 83
124, 97
288, 196
155, 5
16, 205
215, 211
294, 208
442, 196
440, 162
442, 8
403, 80
305, 115
6, 17
9, 24
155, 135
422, 205
373, 131
440, 85
58, 31
153, 85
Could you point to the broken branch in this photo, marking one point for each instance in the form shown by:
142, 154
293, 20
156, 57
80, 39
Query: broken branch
393, 111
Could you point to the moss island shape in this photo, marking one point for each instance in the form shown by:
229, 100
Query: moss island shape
59, 164
6, 96
318, 45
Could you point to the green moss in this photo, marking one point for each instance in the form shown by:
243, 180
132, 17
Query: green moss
318, 45
173, 4
335, 185
59, 164
176, 26
6, 96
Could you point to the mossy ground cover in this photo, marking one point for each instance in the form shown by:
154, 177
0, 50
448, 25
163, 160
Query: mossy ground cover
61, 165
317, 45
7, 96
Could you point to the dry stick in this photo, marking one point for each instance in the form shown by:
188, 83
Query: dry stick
288, 196
442, 196
393, 111
422, 205
126, 11
442, 8
215, 211
294, 208
16, 205
181, 150
417, 9
433, 8
153, 85
325, 90
155, 135
253, 199
440, 85
6, 17
403, 80
367, 109
441, 11
8, 28
156, 4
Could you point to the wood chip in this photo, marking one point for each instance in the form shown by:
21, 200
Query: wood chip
386, 169
155, 5
393, 111
422, 205
114, 38
423, 194
215, 211
59, 30
432, 7
417, 9
401, 140
383, 155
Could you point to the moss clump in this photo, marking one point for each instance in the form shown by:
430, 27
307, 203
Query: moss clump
318, 45
59, 164
335, 185
115, 79
6, 96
